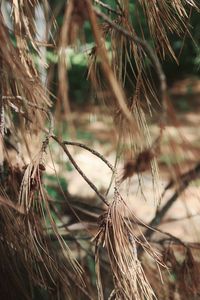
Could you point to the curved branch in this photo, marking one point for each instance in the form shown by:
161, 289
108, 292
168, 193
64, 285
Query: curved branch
63, 146
93, 152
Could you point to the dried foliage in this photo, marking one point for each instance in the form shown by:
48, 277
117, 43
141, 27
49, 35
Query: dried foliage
35, 254
166, 17
117, 235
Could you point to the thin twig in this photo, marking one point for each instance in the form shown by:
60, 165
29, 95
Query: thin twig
120, 7
171, 236
176, 242
63, 146
93, 152
109, 8
171, 220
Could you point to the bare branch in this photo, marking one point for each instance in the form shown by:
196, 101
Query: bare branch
109, 8
80, 171
184, 180
93, 152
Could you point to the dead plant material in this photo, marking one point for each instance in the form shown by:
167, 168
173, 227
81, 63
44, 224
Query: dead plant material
186, 178
183, 273
20, 81
142, 161
91, 184
116, 234
28, 258
114, 84
189, 277
141, 164
34, 252
169, 258
163, 17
